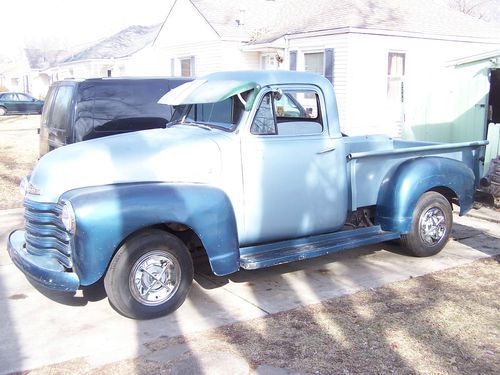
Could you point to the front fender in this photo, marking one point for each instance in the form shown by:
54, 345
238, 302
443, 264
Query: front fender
106, 215
403, 186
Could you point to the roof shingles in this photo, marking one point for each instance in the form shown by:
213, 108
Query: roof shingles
267, 20
122, 44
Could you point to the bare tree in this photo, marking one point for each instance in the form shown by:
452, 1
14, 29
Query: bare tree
43, 52
488, 10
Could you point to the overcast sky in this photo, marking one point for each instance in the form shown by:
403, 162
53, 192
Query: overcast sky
73, 22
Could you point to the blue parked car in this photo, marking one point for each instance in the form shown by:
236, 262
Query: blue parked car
19, 103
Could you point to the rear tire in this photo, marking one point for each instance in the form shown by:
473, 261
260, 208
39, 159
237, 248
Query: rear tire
431, 226
149, 276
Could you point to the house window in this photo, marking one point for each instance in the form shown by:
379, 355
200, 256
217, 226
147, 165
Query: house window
314, 62
187, 67
395, 76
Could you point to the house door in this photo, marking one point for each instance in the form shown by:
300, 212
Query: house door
493, 122
494, 97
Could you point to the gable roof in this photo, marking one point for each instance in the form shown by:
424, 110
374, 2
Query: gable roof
492, 56
122, 44
259, 21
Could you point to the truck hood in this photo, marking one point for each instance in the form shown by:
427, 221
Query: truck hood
177, 154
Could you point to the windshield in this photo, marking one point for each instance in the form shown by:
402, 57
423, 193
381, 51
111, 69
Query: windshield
224, 115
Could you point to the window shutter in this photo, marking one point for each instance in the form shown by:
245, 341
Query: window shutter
329, 64
193, 70
293, 60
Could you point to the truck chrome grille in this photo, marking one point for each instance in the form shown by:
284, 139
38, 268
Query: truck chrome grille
45, 233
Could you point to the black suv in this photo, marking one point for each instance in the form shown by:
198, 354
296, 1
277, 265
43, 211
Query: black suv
78, 110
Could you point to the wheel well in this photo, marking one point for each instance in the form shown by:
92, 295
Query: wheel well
181, 231
187, 235
449, 194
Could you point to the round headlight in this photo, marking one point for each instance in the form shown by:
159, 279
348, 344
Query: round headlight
68, 217
23, 186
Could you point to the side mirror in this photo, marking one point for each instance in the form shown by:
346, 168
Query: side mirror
277, 94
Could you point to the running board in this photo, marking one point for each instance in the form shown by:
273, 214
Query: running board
271, 254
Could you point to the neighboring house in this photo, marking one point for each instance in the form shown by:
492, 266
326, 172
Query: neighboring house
381, 55
25, 72
107, 57
35, 70
13, 74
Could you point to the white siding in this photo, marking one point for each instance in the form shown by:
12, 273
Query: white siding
232, 58
185, 25
426, 59
318, 44
187, 34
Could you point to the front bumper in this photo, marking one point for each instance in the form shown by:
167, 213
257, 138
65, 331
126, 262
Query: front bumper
44, 270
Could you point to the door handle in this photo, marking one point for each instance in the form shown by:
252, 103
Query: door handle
327, 150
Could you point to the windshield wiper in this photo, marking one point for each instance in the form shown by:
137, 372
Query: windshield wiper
190, 123
206, 127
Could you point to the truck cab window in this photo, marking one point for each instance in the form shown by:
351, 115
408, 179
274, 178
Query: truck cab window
291, 113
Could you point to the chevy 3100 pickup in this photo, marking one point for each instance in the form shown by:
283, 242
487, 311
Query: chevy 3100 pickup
253, 171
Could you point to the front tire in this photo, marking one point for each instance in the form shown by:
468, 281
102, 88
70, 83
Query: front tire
149, 276
431, 226
3, 111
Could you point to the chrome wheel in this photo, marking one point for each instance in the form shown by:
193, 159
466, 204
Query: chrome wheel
155, 278
432, 226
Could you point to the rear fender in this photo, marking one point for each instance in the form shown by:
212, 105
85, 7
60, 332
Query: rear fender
404, 184
106, 215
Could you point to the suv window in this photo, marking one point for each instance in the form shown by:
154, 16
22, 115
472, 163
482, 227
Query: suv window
49, 103
61, 108
126, 106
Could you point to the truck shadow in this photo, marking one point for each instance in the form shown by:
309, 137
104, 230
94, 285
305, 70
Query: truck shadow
476, 239
387, 327
92, 293
11, 356
207, 280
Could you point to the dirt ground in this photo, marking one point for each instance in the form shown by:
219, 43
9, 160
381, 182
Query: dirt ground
18, 154
441, 323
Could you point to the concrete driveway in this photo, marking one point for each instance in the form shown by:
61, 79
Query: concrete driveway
40, 328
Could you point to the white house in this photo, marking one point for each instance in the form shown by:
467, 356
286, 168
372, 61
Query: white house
25, 72
381, 55
108, 57
33, 71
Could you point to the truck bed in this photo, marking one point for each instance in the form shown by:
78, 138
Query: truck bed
370, 158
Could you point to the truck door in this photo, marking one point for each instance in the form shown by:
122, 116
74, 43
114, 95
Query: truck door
293, 172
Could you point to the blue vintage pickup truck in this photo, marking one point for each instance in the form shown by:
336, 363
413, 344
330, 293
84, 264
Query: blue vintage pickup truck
253, 171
